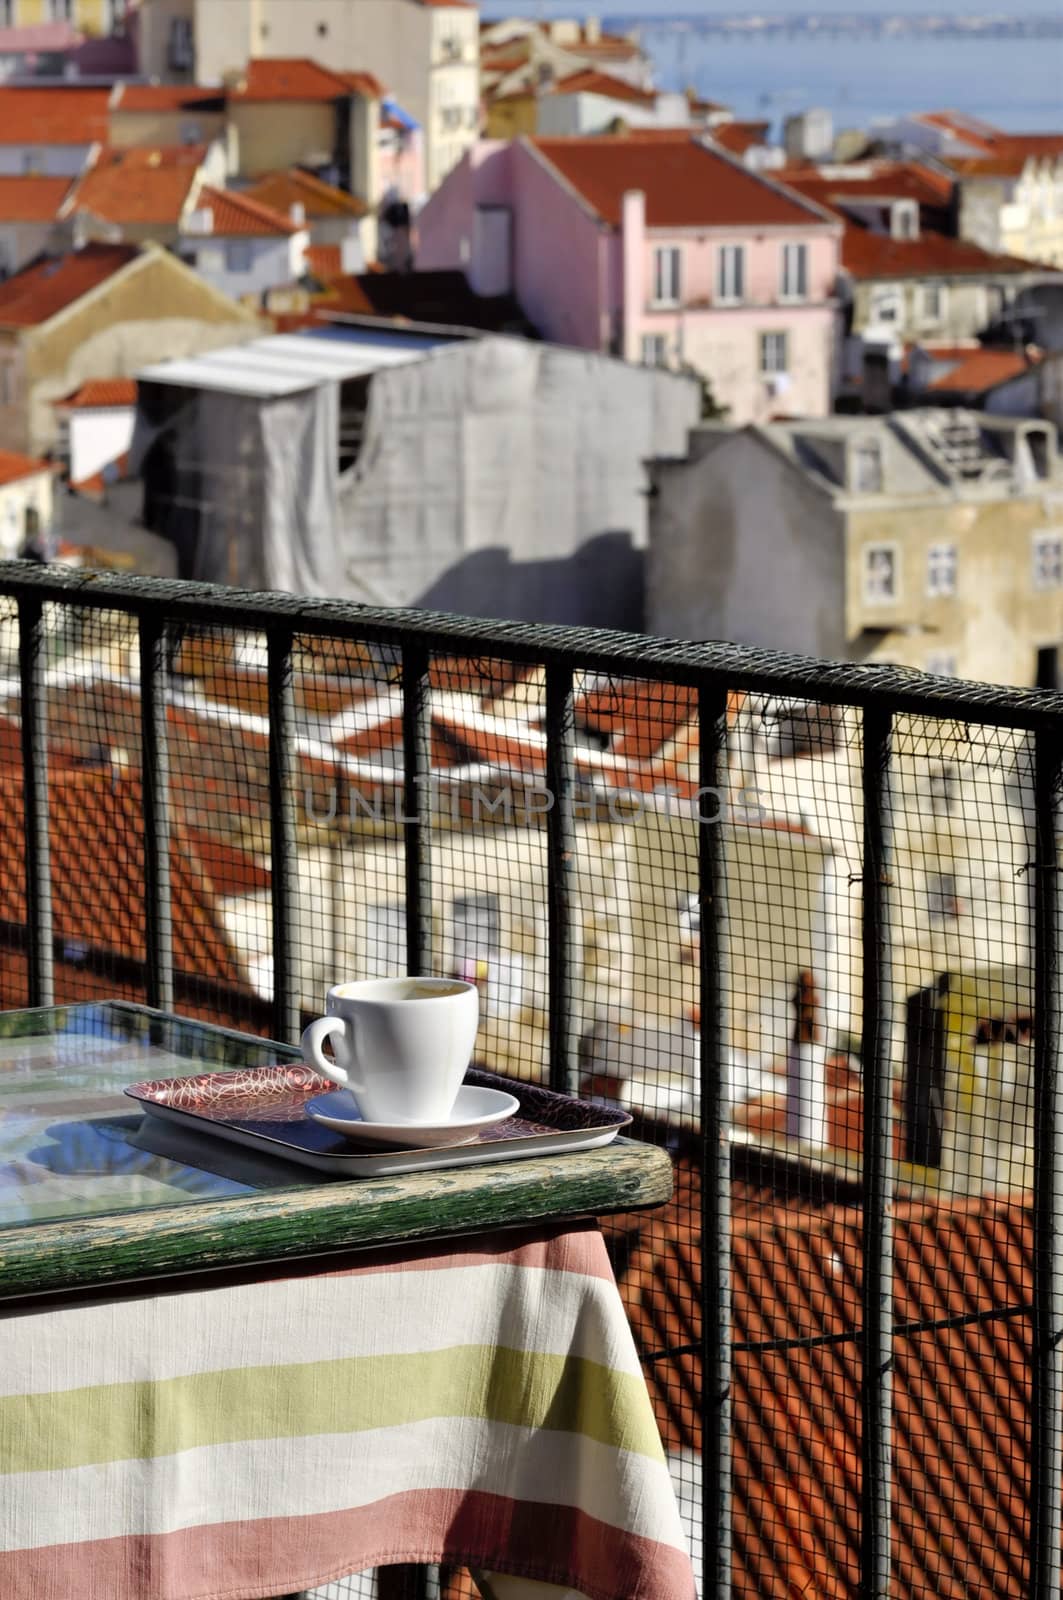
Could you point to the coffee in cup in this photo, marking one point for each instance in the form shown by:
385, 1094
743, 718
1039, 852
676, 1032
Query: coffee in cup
401, 1045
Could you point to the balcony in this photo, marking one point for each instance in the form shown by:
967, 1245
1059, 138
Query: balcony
801, 918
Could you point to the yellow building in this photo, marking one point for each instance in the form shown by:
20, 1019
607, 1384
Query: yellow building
97, 17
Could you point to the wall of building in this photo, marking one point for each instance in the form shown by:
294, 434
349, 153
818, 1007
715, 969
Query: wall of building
997, 620
43, 160
743, 547
97, 437
160, 310
726, 347
127, 128
563, 259
15, 499
562, 114
155, 20
273, 262
269, 136
969, 305
512, 116
19, 243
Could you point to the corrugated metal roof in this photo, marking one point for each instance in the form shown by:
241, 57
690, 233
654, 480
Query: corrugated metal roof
285, 363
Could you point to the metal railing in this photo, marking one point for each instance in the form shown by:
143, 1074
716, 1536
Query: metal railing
876, 696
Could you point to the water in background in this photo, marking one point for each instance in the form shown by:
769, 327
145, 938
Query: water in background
1016, 83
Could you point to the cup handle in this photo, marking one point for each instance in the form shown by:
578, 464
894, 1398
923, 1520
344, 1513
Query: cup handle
314, 1036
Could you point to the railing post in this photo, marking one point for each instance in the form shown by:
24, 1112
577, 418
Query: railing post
715, 1146
417, 805
155, 769
1046, 1478
282, 830
32, 661
560, 859
876, 1054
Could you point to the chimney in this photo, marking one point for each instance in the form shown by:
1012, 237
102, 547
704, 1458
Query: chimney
806, 1084
592, 30
633, 255
297, 213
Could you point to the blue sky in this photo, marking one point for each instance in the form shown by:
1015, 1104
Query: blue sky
651, 8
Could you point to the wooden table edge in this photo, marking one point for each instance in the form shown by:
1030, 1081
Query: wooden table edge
123, 1248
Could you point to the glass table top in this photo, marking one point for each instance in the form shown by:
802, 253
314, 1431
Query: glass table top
72, 1145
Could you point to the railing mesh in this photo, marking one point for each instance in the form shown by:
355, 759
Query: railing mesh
825, 982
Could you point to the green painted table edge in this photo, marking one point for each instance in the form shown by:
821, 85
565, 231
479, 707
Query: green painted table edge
285, 1226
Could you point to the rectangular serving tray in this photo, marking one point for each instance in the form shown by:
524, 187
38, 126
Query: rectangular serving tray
264, 1108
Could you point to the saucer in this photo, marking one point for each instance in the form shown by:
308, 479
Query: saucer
475, 1108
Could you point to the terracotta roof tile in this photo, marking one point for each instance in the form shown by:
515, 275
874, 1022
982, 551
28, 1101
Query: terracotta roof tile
590, 81
980, 369
282, 190
60, 115
685, 184
14, 466
960, 1394
96, 827
152, 97
364, 83
48, 286
870, 180
289, 78
140, 186
238, 215
100, 393
32, 199
325, 261
738, 137
877, 255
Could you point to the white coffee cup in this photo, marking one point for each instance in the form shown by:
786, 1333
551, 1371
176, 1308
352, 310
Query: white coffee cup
401, 1045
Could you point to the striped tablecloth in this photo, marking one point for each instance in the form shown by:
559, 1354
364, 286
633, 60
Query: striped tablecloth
482, 1407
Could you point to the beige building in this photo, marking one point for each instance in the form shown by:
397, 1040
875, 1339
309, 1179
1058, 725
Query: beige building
426, 53
930, 539
97, 18
1013, 201
99, 312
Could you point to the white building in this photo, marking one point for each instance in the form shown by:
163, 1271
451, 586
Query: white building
25, 500
425, 52
96, 425
241, 246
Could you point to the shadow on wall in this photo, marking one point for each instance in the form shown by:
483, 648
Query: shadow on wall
601, 585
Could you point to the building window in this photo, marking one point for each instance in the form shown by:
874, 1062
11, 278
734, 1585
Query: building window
933, 302
943, 902
904, 219
795, 271
61, 10
941, 564
731, 273
238, 255
1047, 560
866, 467
887, 305
8, 13
774, 354
941, 664
654, 350
666, 284
880, 574
31, 163
181, 53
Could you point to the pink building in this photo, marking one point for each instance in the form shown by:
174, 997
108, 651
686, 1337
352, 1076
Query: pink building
655, 246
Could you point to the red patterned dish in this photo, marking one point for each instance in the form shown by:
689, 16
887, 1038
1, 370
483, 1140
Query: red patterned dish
264, 1107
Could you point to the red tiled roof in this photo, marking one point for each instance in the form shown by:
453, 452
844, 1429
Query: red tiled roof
99, 393
971, 129
590, 81
14, 466
978, 370
237, 214
961, 1394
364, 83
325, 261
48, 286
96, 826
32, 199
877, 255
610, 45
738, 137
870, 180
167, 97
64, 115
291, 78
685, 184
282, 190
150, 184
